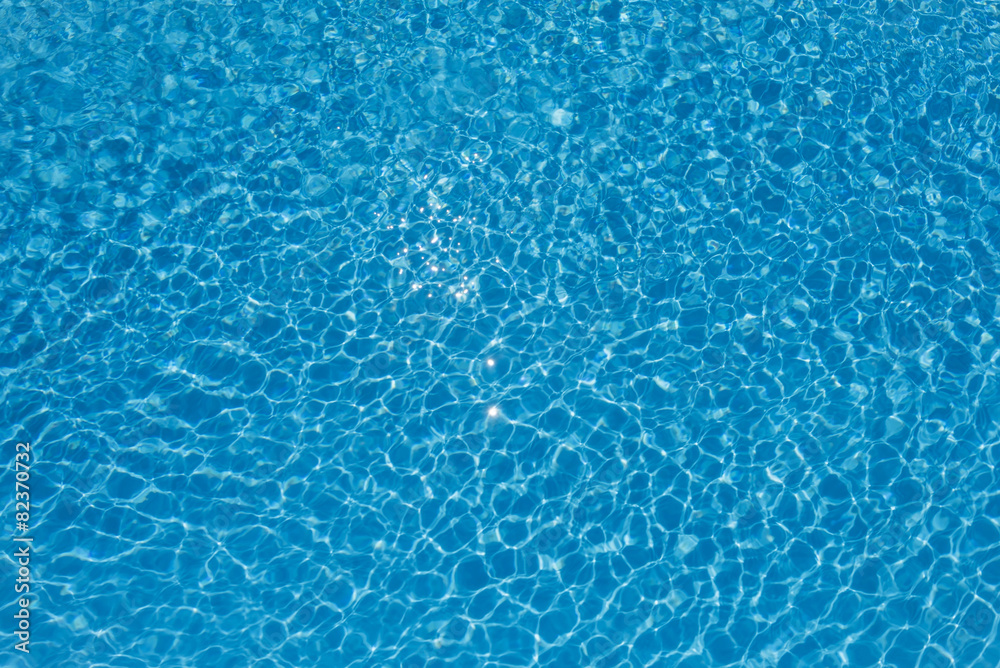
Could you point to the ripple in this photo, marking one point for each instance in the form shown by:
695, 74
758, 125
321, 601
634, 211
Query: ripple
503, 335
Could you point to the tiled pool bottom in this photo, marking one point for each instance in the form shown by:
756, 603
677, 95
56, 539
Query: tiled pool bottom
502, 334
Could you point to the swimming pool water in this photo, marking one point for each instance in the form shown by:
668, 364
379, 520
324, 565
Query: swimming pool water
394, 333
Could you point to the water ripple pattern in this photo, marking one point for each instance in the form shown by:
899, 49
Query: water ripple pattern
467, 333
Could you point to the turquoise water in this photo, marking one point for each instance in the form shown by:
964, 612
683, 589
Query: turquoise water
502, 334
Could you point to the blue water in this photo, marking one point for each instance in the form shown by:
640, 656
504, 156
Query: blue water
394, 333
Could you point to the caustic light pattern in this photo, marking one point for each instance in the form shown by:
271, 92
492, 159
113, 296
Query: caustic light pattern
503, 334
